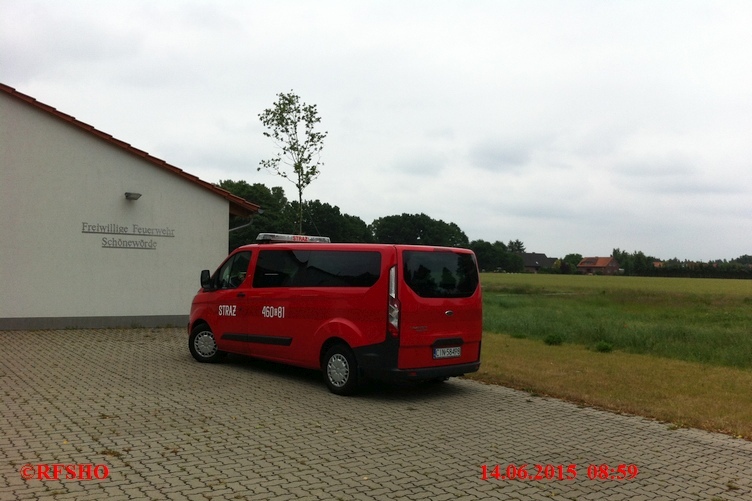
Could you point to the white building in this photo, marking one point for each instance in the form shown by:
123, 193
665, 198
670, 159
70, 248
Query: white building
94, 232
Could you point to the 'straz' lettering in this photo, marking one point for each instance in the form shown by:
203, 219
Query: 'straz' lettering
227, 310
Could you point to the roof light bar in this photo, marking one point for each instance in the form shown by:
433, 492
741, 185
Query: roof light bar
281, 237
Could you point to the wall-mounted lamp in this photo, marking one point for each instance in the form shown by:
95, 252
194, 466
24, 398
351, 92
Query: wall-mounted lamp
132, 196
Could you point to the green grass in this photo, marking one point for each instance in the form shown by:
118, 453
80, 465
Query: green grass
696, 320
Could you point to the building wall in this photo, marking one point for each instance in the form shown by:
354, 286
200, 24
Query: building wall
74, 251
610, 268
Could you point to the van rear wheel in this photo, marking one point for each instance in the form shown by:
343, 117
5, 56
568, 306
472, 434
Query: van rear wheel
340, 370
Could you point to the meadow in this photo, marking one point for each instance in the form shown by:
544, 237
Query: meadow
674, 349
696, 320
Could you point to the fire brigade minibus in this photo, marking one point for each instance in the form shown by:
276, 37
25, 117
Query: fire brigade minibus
354, 311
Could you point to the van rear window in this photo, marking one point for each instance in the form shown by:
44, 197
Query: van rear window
316, 268
440, 274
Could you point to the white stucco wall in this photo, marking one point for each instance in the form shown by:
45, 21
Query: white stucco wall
59, 186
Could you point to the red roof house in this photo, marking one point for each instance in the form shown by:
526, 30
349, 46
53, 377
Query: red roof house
598, 266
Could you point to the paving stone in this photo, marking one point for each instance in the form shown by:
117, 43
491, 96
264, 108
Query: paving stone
170, 428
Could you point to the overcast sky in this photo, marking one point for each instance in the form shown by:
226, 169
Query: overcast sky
574, 126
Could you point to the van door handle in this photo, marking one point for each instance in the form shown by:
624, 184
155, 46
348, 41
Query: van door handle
449, 313
241, 294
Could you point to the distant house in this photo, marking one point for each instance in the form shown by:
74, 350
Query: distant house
598, 266
534, 262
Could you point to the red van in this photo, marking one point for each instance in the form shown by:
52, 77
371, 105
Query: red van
354, 311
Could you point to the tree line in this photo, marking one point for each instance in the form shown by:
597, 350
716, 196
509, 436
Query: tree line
638, 263
281, 215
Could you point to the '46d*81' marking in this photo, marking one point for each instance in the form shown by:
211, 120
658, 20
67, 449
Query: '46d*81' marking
273, 312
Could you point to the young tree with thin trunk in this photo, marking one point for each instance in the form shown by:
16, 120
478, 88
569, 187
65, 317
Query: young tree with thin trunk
291, 125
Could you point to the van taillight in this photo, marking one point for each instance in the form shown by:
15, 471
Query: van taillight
394, 304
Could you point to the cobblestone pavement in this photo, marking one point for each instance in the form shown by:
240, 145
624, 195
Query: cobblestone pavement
154, 424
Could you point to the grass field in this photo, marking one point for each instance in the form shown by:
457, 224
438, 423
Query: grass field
678, 350
697, 320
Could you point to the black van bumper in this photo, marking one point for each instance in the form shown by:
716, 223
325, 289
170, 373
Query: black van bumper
379, 362
423, 374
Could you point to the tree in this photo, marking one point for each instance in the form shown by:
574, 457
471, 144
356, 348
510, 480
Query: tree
516, 247
417, 229
636, 263
485, 253
327, 220
491, 257
275, 217
513, 263
291, 127
279, 216
570, 262
746, 259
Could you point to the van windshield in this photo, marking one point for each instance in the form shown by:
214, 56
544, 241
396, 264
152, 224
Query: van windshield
440, 274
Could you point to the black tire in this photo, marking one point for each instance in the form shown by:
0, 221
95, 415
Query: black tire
202, 345
340, 370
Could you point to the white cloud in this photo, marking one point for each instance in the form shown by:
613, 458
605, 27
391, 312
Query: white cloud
574, 126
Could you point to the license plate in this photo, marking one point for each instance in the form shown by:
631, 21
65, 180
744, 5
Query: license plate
447, 352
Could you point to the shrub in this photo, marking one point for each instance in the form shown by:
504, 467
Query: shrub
604, 346
553, 339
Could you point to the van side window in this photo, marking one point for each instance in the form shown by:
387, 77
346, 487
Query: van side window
440, 274
234, 271
316, 268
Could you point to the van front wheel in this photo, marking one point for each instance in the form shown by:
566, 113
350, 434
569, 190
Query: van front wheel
202, 345
340, 370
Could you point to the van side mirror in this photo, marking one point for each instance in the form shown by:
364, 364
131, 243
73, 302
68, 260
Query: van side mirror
206, 282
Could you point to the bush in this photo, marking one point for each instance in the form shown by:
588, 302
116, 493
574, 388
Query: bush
604, 346
553, 339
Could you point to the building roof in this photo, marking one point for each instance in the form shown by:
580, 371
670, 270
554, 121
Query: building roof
595, 262
238, 206
537, 260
